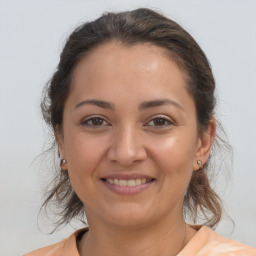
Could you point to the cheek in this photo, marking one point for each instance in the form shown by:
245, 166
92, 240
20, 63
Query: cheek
174, 157
81, 148
175, 154
84, 154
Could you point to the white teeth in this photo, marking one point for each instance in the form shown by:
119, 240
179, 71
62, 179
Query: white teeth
138, 182
122, 183
131, 183
110, 181
127, 183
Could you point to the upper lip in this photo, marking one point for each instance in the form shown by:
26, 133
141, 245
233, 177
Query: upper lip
120, 176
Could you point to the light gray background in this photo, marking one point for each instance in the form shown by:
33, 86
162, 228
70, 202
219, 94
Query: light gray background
32, 34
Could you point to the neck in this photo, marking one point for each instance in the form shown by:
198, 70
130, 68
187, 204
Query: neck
161, 238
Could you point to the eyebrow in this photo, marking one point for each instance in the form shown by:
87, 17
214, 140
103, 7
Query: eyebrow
144, 105
98, 103
158, 103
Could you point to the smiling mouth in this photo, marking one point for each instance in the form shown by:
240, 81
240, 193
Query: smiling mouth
128, 183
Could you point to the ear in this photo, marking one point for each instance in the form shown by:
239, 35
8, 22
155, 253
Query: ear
204, 145
60, 141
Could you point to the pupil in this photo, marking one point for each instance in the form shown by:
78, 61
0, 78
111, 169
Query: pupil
97, 121
159, 121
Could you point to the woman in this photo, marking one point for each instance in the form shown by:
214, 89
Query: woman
132, 109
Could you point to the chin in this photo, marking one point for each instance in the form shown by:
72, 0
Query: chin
129, 217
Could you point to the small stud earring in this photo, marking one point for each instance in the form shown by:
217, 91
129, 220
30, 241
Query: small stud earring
63, 162
199, 162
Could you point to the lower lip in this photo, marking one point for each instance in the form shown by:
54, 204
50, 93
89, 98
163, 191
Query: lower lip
125, 190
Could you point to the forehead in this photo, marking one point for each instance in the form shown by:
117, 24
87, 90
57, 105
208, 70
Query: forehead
115, 58
142, 70
117, 54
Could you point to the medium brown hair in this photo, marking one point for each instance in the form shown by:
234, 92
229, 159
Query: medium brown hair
129, 28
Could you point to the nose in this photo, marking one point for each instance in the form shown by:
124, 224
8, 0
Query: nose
127, 148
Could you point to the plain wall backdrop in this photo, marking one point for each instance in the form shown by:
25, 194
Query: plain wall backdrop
32, 34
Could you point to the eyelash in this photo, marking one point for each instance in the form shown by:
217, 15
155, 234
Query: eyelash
89, 122
91, 119
167, 121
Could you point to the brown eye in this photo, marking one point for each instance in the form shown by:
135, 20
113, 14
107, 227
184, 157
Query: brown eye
160, 122
95, 121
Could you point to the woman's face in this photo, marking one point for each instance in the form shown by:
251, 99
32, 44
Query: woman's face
130, 135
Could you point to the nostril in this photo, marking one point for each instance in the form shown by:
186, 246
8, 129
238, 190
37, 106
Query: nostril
126, 149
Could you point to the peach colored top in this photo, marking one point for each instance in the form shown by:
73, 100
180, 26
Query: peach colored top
206, 242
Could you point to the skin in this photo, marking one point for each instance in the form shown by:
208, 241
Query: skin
160, 141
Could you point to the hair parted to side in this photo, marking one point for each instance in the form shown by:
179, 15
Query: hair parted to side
129, 28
